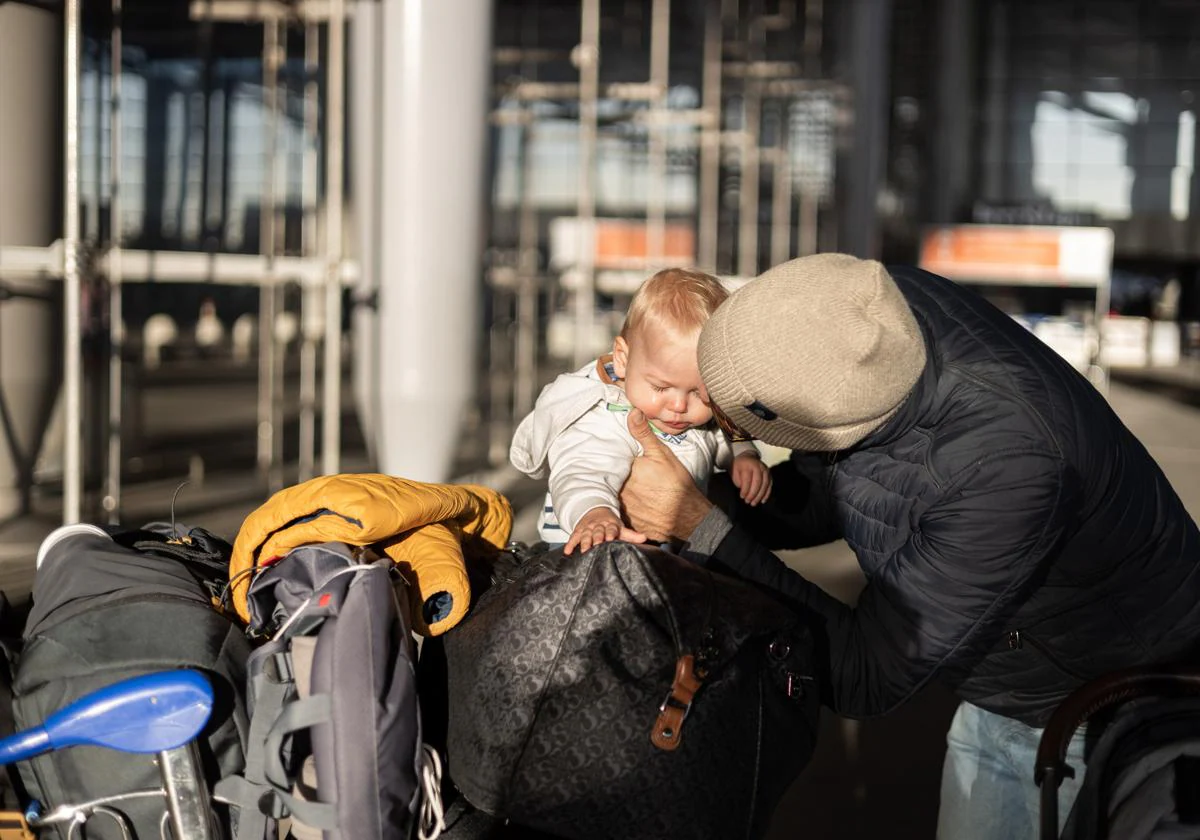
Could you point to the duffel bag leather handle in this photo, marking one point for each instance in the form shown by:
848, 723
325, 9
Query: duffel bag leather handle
668, 727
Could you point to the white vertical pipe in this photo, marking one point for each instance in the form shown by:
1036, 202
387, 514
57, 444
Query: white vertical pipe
436, 59
72, 281
335, 135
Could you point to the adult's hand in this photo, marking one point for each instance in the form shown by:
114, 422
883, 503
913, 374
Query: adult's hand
660, 498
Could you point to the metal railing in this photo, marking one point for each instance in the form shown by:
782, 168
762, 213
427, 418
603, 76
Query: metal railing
322, 274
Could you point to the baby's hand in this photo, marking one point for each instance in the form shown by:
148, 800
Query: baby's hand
752, 477
600, 525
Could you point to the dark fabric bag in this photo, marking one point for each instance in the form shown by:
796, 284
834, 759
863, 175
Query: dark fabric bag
335, 732
104, 611
626, 692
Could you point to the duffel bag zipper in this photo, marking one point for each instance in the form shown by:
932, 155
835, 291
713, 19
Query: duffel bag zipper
1017, 640
145, 597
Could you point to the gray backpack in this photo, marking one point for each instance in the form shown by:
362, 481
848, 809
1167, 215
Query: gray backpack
335, 736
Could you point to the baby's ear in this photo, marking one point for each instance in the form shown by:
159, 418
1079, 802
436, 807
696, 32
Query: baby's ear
620, 356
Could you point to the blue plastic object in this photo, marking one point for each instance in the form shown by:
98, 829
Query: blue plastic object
146, 714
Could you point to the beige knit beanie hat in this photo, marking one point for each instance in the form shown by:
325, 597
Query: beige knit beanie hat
813, 354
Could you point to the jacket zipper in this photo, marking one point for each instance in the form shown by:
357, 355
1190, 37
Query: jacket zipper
1016, 640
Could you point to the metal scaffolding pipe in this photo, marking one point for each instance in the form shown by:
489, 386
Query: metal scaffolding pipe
268, 293
366, 157
814, 23
524, 374
807, 218
748, 213
116, 326
587, 57
656, 208
278, 208
781, 198
309, 304
335, 138
72, 280
527, 287
710, 141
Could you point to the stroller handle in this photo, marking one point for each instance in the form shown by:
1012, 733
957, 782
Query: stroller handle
1090, 698
151, 713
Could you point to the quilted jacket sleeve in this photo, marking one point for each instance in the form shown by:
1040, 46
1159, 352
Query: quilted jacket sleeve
945, 597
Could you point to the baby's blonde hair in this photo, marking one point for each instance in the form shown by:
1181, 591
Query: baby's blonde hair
675, 298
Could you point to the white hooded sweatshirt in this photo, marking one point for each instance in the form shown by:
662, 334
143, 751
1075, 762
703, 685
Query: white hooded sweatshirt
578, 430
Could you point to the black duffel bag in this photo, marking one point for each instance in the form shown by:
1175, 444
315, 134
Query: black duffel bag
627, 692
109, 607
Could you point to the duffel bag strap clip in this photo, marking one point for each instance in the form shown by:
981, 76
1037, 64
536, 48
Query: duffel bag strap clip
676, 706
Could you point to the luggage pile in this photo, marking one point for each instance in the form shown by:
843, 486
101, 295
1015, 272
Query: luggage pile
375, 661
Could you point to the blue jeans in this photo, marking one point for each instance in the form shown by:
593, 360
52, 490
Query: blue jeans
988, 792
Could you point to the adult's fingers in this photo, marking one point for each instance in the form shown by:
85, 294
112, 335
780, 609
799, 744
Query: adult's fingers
639, 427
631, 536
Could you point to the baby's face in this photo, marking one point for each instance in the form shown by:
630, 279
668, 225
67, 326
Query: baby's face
662, 379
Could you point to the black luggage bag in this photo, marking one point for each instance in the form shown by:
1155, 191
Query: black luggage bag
103, 611
627, 692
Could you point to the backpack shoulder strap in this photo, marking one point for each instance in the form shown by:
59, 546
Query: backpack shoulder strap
262, 792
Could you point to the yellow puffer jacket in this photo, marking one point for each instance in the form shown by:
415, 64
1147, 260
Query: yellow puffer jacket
424, 528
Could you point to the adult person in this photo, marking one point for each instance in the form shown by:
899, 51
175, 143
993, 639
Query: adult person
1016, 539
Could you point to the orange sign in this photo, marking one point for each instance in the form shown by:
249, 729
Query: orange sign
992, 246
621, 243
1019, 254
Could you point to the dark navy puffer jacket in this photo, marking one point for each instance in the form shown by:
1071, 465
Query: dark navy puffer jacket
1016, 538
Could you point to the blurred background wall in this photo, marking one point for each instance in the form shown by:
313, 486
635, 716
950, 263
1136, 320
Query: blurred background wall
470, 191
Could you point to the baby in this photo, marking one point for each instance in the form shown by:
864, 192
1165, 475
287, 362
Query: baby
578, 426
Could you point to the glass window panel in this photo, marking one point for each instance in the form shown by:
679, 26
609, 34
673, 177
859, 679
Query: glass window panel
1101, 142
1052, 133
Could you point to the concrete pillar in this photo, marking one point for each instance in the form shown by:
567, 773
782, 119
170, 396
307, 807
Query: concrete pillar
431, 102
30, 355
